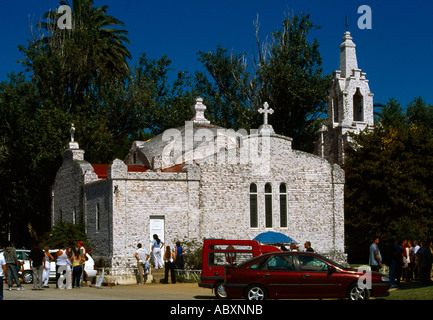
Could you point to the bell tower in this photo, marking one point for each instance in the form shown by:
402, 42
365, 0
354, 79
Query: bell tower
350, 105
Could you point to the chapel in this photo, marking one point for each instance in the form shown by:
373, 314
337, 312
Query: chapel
204, 181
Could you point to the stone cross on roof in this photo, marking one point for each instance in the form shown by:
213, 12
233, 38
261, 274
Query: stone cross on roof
266, 110
73, 144
72, 132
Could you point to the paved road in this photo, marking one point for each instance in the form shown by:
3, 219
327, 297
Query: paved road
178, 291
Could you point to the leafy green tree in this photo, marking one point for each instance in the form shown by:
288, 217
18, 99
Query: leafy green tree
419, 113
230, 96
169, 103
64, 234
287, 74
24, 147
292, 81
389, 182
391, 113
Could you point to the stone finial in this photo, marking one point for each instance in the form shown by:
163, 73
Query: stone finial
266, 110
198, 110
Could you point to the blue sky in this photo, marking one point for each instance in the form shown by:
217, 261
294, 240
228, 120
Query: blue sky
396, 54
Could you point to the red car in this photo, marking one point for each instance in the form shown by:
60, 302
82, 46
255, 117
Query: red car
301, 275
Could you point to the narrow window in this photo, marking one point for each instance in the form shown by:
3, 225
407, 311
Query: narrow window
268, 205
283, 205
74, 216
97, 217
335, 107
253, 206
358, 108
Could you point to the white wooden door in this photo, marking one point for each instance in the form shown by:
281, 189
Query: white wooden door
157, 227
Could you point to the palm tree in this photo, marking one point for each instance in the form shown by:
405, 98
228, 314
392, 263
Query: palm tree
69, 64
102, 44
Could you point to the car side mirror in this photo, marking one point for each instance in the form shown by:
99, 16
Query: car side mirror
331, 270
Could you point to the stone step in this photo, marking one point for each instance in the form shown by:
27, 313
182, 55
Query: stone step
157, 275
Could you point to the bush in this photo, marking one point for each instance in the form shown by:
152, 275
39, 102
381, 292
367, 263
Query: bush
192, 256
64, 234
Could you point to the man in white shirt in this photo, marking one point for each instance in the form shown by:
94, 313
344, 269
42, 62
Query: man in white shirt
415, 249
142, 256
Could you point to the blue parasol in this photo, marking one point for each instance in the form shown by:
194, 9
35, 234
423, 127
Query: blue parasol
274, 238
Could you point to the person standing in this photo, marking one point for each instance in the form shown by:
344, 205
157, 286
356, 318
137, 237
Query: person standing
307, 246
12, 263
408, 259
37, 264
83, 254
61, 263
77, 268
425, 262
3, 273
396, 264
47, 267
142, 256
157, 244
415, 249
375, 258
180, 263
169, 259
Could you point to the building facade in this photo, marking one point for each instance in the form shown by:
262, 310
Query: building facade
203, 181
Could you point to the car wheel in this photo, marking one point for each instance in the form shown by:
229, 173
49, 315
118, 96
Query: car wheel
27, 277
220, 291
255, 292
357, 293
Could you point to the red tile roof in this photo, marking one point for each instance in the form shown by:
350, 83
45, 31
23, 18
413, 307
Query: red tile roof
135, 168
101, 169
175, 168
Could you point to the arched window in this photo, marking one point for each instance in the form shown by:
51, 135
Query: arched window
253, 206
268, 205
283, 205
358, 108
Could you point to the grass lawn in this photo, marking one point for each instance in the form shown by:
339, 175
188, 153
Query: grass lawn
411, 291
407, 290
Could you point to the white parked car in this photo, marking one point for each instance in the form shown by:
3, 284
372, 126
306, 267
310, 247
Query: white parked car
23, 256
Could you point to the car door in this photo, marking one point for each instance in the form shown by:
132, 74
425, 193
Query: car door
315, 279
279, 276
